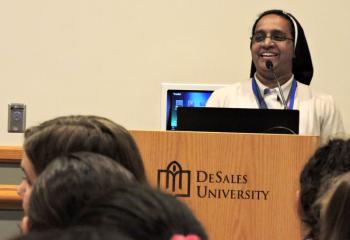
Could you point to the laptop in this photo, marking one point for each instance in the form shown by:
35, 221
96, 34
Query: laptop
243, 120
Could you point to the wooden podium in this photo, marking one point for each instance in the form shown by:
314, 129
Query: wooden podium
241, 186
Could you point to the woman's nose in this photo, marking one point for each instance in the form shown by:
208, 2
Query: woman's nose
268, 41
21, 188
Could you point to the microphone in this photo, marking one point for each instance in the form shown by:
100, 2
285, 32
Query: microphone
269, 66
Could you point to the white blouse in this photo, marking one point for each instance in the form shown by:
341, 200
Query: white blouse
319, 115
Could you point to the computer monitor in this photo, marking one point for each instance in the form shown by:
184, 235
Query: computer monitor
243, 120
176, 95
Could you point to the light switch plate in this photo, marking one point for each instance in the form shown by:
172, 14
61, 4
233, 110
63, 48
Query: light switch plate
16, 117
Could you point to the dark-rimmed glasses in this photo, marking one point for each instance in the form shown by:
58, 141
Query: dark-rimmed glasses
276, 36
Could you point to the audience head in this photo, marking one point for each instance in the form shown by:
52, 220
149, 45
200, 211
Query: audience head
329, 161
69, 134
67, 185
335, 210
143, 213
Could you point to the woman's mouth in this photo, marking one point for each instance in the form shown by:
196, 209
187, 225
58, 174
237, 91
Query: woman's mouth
268, 55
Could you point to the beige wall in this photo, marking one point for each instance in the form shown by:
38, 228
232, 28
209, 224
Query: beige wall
108, 57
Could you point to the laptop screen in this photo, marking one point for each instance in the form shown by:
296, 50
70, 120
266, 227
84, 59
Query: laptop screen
238, 120
183, 98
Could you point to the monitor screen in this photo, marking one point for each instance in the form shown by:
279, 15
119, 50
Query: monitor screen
174, 95
183, 98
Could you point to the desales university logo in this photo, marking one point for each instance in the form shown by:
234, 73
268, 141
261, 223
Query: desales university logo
175, 180
218, 184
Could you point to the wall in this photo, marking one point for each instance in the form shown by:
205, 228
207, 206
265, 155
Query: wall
108, 57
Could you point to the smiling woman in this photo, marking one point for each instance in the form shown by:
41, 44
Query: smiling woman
279, 40
286, 27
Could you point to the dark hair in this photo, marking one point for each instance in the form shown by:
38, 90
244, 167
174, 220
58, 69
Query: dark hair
328, 161
68, 184
68, 134
336, 211
142, 213
76, 233
302, 63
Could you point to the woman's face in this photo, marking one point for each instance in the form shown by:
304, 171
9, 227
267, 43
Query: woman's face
280, 53
25, 188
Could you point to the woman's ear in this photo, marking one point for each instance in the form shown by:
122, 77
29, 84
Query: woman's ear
297, 201
25, 225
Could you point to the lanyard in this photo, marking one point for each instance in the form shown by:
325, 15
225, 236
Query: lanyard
261, 101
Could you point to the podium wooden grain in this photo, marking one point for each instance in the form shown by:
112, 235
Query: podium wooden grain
271, 163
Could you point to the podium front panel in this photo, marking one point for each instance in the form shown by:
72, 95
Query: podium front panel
241, 186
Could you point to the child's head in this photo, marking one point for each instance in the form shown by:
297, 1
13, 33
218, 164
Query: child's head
68, 134
335, 209
68, 184
328, 161
143, 213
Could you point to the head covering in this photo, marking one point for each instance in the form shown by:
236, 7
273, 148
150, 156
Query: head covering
302, 63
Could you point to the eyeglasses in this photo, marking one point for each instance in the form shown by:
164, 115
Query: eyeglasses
276, 36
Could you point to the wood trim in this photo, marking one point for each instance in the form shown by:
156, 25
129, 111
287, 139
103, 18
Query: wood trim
9, 199
10, 154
